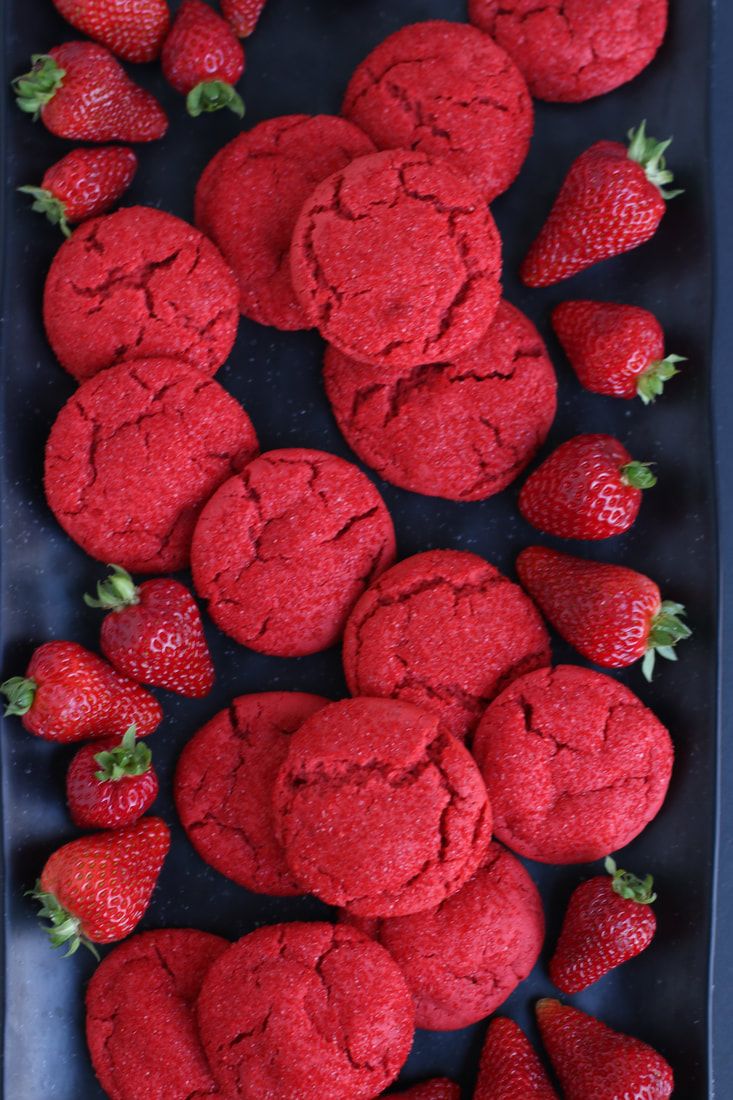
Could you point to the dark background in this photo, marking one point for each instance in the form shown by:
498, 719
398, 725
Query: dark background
299, 60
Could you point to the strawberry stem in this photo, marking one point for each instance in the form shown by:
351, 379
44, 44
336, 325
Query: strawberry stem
649, 153
212, 95
630, 887
129, 758
638, 475
667, 629
20, 694
116, 592
38, 87
650, 384
45, 202
63, 928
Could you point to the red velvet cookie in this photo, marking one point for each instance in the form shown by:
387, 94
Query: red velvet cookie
224, 784
444, 630
135, 453
379, 809
465, 956
250, 195
137, 284
447, 90
283, 551
571, 50
140, 1024
313, 1011
461, 430
439, 1088
575, 764
396, 259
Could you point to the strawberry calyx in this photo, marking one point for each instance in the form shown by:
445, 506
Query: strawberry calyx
37, 87
129, 758
638, 475
650, 383
63, 929
20, 694
116, 592
630, 887
45, 202
667, 629
649, 153
212, 95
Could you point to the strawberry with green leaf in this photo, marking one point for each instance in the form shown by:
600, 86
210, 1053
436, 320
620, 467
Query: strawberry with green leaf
203, 59
83, 184
111, 783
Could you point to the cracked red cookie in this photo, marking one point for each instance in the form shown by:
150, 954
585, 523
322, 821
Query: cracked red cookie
313, 1011
224, 783
461, 430
447, 90
396, 259
251, 193
444, 630
133, 456
575, 764
136, 284
464, 957
140, 1016
572, 50
379, 810
438, 1088
283, 551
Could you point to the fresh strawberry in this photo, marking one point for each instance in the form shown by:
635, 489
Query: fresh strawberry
589, 488
70, 694
242, 14
96, 889
510, 1069
609, 920
111, 783
202, 58
612, 615
153, 633
612, 200
84, 183
81, 92
595, 1063
615, 350
133, 31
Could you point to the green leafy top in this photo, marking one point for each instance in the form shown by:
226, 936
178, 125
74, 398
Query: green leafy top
630, 887
45, 202
212, 95
129, 758
20, 694
638, 475
666, 631
38, 87
650, 383
649, 153
63, 929
116, 592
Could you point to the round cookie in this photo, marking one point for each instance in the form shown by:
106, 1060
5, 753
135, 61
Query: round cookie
135, 453
379, 809
464, 957
396, 259
446, 631
461, 430
224, 783
140, 1016
313, 1011
572, 50
438, 1088
283, 551
249, 201
137, 284
575, 764
447, 90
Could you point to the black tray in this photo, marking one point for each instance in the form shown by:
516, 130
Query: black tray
299, 61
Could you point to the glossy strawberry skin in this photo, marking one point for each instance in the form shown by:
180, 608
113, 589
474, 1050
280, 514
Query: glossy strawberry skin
579, 491
133, 31
108, 804
591, 1060
89, 181
509, 1068
609, 346
605, 207
600, 932
243, 15
201, 46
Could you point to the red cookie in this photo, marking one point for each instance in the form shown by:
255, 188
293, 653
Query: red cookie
396, 259
283, 551
571, 50
575, 764
439, 1088
140, 1024
313, 1011
133, 456
447, 90
460, 430
224, 785
379, 809
444, 630
465, 956
138, 284
251, 193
